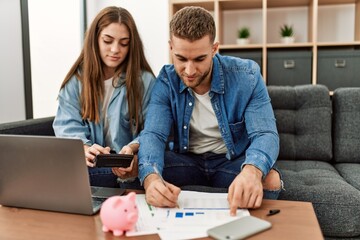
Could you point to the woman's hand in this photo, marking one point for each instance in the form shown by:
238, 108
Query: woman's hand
130, 149
92, 151
133, 170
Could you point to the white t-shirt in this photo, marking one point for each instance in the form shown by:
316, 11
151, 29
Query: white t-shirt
205, 135
108, 92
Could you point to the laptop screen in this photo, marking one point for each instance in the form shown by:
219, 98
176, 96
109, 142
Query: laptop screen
47, 173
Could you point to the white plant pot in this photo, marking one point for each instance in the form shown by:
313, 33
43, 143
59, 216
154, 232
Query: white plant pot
242, 41
288, 40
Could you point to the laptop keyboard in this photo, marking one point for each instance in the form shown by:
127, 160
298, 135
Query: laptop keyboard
104, 192
100, 194
96, 202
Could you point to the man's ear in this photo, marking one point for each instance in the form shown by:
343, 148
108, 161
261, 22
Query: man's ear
215, 48
170, 44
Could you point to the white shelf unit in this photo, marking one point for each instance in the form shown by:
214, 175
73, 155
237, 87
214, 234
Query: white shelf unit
317, 24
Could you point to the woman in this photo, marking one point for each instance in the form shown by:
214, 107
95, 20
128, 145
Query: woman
104, 96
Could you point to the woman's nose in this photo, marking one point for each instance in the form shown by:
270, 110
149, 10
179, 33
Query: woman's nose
114, 47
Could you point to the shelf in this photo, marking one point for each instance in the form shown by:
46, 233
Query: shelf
240, 4
292, 45
335, 2
235, 46
338, 44
318, 25
299, 18
178, 4
288, 3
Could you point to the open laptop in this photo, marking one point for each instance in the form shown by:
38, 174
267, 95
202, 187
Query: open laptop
48, 173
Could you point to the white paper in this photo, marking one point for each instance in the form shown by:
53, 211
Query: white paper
197, 212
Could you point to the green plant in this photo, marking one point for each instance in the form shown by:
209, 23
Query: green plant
286, 31
244, 32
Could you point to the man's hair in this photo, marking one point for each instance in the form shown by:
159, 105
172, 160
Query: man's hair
192, 23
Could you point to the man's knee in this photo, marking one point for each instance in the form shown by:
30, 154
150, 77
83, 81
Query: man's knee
272, 181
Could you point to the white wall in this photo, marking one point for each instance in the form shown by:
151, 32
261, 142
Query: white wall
55, 42
336, 23
12, 94
152, 20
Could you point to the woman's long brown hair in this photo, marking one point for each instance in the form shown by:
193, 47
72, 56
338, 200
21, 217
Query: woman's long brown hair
88, 68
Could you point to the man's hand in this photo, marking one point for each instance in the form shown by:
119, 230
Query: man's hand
159, 195
246, 191
92, 151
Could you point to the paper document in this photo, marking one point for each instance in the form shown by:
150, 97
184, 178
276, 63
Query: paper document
197, 212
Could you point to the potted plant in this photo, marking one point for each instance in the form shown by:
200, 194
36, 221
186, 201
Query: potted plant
243, 36
287, 34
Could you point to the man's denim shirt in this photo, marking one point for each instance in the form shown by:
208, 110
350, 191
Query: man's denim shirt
69, 123
242, 107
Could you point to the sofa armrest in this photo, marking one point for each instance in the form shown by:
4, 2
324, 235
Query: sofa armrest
346, 125
39, 126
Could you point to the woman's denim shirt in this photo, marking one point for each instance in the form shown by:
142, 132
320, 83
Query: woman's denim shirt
241, 104
69, 123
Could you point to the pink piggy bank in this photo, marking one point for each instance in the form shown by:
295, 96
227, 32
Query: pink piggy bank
119, 214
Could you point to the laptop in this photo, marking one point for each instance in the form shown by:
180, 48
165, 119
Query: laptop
48, 173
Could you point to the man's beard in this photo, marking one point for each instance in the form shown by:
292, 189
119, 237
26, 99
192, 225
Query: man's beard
199, 80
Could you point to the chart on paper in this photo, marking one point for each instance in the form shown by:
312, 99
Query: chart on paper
196, 213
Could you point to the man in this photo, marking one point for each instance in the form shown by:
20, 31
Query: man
222, 121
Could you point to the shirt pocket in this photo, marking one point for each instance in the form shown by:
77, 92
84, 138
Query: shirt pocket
125, 123
237, 129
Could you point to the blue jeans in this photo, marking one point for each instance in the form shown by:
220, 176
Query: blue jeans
102, 177
208, 169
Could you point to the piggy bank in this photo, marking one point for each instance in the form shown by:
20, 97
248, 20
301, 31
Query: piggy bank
119, 214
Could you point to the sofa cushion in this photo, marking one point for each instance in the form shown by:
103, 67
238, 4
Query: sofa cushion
303, 118
39, 126
350, 172
336, 202
346, 123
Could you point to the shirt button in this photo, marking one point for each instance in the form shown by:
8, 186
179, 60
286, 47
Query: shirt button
185, 127
190, 104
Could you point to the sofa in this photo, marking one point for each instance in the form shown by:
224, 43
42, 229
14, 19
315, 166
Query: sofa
319, 152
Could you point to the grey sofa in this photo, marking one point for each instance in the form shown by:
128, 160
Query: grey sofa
40, 126
319, 152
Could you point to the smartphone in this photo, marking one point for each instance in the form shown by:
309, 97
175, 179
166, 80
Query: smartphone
239, 228
113, 160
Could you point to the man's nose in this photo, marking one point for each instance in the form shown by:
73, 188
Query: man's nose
190, 68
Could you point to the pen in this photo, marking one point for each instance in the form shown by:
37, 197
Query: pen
162, 179
158, 173
273, 212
